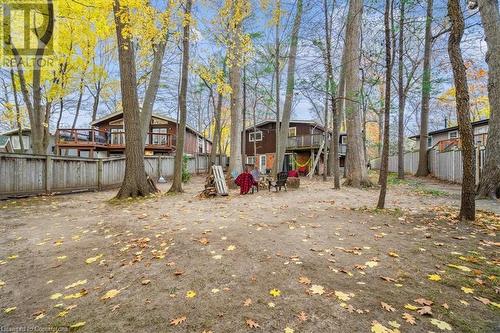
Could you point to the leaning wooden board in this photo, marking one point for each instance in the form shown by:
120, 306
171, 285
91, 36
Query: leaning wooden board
220, 181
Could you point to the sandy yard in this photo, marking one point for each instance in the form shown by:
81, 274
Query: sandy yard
306, 260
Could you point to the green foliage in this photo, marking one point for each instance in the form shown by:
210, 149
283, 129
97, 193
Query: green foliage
186, 176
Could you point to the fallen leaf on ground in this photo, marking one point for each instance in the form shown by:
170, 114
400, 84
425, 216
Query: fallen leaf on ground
423, 301
8, 310
110, 294
247, 302
409, 318
77, 325
251, 323
304, 280
302, 316
425, 310
177, 321
93, 259
191, 294
434, 277
145, 282
467, 290
77, 283
387, 307
442, 325
274, 292
317, 289
289, 330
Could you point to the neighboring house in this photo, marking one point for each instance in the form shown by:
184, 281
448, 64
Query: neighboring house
13, 136
448, 138
5, 144
304, 140
107, 138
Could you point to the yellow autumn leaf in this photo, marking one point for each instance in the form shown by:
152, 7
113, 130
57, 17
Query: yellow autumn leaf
191, 294
275, 292
467, 290
231, 248
289, 330
434, 277
442, 325
78, 325
8, 310
110, 294
93, 259
56, 296
371, 264
462, 268
411, 307
379, 328
342, 296
2, 284
76, 295
77, 283
14, 256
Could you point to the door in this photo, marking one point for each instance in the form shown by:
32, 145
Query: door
262, 164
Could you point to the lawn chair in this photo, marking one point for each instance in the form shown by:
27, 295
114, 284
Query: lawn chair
281, 182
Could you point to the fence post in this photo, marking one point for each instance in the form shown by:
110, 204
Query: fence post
100, 169
159, 167
48, 174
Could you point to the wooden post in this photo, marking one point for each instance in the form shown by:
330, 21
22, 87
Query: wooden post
159, 167
100, 168
48, 174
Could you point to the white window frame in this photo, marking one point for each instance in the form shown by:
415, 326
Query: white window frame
456, 134
252, 138
294, 129
250, 160
159, 139
343, 139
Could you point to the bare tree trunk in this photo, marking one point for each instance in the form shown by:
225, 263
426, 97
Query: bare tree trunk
357, 174
337, 110
467, 205
79, 103
243, 132
18, 111
401, 93
387, 106
490, 176
275, 167
135, 183
216, 135
235, 160
290, 85
181, 133
97, 98
423, 168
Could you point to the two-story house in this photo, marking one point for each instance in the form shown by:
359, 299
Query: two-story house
305, 137
107, 138
449, 137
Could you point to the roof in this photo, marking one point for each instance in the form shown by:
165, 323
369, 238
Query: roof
297, 121
15, 130
118, 113
477, 123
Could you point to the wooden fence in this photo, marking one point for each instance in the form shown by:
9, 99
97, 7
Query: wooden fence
44, 174
442, 165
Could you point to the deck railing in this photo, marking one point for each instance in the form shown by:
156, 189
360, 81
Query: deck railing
310, 141
115, 139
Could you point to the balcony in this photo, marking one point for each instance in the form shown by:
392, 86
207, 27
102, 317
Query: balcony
95, 138
311, 141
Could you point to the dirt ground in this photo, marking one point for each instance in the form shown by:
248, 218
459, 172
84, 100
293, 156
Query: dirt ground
307, 260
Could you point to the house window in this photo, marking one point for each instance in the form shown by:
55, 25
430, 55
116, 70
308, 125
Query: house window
255, 136
159, 136
343, 139
292, 131
200, 145
429, 141
453, 135
251, 160
117, 136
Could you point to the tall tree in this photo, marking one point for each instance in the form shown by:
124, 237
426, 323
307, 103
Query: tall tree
401, 92
238, 44
277, 74
467, 205
135, 182
333, 157
423, 168
39, 115
181, 130
489, 185
290, 86
356, 173
384, 169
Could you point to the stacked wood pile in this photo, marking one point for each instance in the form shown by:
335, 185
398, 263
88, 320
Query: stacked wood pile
210, 189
